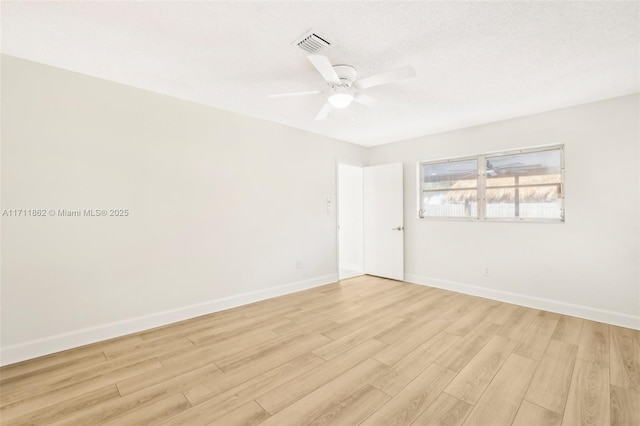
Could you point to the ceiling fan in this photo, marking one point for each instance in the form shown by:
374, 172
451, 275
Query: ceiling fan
492, 171
514, 168
343, 86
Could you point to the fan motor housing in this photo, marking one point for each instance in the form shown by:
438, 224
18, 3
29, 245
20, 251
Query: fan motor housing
346, 73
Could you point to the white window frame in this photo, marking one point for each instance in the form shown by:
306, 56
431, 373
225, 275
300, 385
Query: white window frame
482, 200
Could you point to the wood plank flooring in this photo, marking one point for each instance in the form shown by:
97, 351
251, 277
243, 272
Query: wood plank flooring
364, 351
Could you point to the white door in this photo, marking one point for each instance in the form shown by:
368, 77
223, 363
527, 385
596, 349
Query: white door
383, 221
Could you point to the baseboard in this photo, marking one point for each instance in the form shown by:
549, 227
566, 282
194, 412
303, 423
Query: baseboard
64, 341
345, 275
601, 315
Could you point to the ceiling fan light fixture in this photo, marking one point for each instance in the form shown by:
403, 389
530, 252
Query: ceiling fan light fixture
341, 100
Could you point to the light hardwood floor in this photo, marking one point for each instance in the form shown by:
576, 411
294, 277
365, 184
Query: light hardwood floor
363, 351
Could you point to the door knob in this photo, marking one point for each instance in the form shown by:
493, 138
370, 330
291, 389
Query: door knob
399, 228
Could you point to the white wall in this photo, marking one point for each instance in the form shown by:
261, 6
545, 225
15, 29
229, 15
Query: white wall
222, 207
350, 214
588, 266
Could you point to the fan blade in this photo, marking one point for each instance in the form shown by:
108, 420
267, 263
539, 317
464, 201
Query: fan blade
516, 167
325, 68
386, 77
366, 100
523, 166
512, 164
324, 112
285, 95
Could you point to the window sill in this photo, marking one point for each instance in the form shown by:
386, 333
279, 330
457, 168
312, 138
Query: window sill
505, 220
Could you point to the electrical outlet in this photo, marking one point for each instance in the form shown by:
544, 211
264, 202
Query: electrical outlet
486, 271
299, 264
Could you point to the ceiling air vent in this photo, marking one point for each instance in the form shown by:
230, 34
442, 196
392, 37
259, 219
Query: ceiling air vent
312, 43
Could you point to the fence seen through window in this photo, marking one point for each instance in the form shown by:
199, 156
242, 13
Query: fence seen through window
526, 184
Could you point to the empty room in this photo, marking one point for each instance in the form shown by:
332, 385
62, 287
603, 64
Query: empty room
320, 213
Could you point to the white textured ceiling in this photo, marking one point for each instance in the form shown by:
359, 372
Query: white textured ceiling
476, 62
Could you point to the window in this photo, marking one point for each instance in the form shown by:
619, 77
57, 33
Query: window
520, 185
450, 189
